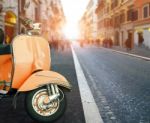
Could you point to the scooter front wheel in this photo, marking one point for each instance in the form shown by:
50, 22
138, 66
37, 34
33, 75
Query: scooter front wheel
40, 109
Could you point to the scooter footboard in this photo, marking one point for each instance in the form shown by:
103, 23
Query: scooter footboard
42, 78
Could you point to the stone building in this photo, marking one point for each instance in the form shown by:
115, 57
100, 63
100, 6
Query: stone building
101, 34
17, 16
124, 19
115, 20
88, 22
47, 12
29, 13
142, 22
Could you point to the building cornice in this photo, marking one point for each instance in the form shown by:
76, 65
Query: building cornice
142, 22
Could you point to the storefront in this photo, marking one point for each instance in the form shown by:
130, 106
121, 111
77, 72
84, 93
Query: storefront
142, 35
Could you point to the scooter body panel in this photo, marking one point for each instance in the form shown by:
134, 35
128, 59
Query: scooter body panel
42, 78
30, 54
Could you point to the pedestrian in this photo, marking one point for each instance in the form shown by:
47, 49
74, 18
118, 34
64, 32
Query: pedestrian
110, 42
141, 40
104, 42
128, 44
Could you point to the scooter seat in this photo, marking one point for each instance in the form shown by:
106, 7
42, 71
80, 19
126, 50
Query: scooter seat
5, 49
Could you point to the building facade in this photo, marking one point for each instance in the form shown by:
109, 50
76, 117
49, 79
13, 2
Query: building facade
29, 13
88, 22
18, 16
142, 23
124, 19
48, 13
100, 11
115, 20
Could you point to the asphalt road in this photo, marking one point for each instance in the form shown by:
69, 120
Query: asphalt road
120, 84
62, 62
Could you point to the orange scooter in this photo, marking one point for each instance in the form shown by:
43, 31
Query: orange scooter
25, 67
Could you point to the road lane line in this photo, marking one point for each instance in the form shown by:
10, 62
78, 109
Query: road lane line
129, 54
90, 108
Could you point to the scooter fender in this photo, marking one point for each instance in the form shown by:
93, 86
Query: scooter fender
42, 78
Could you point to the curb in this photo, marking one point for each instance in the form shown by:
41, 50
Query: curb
129, 54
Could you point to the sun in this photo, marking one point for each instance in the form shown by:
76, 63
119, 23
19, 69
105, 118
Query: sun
71, 31
73, 10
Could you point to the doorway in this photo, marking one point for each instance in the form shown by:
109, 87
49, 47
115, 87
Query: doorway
140, 38
130, 38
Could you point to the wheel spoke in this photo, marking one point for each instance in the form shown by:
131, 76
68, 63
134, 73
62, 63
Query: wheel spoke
41, 107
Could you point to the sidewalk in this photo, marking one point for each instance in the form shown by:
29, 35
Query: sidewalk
140, 51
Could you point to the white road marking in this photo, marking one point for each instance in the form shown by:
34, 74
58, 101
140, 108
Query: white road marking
90, 108
129, 54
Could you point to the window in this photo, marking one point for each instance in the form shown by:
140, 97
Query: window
107, 9
111, 22
130, 15
122, 18
117, 21
146, 11
149, 9
27, 4
37, 14
135, 15
116, 3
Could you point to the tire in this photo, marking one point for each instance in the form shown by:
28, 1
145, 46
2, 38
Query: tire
33, 106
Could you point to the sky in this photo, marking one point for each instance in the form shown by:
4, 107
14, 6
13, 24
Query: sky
73, 10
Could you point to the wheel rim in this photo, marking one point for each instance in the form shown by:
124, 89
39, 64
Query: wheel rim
41, 107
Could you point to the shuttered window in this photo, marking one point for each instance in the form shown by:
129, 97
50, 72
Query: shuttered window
145, 11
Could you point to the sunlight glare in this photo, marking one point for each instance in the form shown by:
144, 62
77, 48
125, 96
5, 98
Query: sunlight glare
71, 31
73, 10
